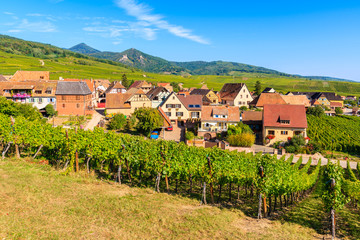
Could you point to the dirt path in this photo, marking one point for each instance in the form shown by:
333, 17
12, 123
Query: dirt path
94, 121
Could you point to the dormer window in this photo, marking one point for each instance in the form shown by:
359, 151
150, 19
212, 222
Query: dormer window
38, 91
41, 77
285, 121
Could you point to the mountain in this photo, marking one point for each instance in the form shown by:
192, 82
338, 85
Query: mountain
84, 49
135, 58
143, 61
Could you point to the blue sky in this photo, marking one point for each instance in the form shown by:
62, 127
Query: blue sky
298, 37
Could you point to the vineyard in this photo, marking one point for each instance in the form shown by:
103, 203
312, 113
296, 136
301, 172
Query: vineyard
340, 133
169, 166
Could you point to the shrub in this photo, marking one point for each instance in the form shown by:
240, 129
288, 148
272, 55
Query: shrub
189, 135
338, 111
50, 111
117, 122
243, 108
241, 140
316, 111
238, 129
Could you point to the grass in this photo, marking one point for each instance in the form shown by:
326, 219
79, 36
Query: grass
39, 202
69, 67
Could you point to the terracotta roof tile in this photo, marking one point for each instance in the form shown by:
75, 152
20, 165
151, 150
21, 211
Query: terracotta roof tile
273, 113
208, 112
30, 75
230, 90
191, 100
252, 116
296, 100
117, 100
267, 98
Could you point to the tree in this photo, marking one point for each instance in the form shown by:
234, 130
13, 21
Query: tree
338, 111
130, 123
50, 111
26, 110
243, 108
175, 86
124, 81
117, 122
316, 111
148, 120
258, 88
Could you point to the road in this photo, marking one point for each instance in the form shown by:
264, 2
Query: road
96, 117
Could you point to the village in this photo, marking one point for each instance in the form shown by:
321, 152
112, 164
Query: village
273, 117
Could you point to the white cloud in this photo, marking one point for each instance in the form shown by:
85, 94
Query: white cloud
41, 26
143, 13
14, 31
8, 13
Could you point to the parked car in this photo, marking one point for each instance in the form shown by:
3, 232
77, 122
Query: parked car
169, 128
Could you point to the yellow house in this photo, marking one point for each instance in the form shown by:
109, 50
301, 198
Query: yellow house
208, 96
283, 121
126, 103
181, 108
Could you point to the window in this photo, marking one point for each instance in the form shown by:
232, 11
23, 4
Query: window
195, 115
139, 95
156, 98
191, 106
32, 100
169, 105
239, 103
78, 105
48, 91
38, 91
284, 132
168, 114
40, 100
216, 116
247, 96
63, 105
224, 116
240, 96
41, 77
271, 132
77, 97
173, 97
7, 90
244, 90
285, 121
63, 98
197, 105
177, 105
179, 114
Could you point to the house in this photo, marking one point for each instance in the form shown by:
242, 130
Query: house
91, 84
115, 87
215, 119
351, 98
126, 103
144, 86
334, 105
296, 100
235, 94
254, 119
20, 76
267, 98
283, 121
74, 98
208, 96
181, 108
165, 118
183, 93
320, 99
166, 85
37, 93
157, 95
334, 98
269, 90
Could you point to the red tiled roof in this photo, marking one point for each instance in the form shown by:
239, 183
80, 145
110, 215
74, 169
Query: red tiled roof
295, 113
267, 98
139, 84
335, 104
230, 90
208, 112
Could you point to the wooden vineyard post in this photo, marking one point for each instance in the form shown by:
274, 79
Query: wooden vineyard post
119, 174
211, 184
76, 155
157, 183
332, 211
261, 173
127, 165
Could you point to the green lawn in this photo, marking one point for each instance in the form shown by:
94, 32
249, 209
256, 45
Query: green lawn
38, 202
71, 67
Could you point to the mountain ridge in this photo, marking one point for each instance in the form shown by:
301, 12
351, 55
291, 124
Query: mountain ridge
146, 62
